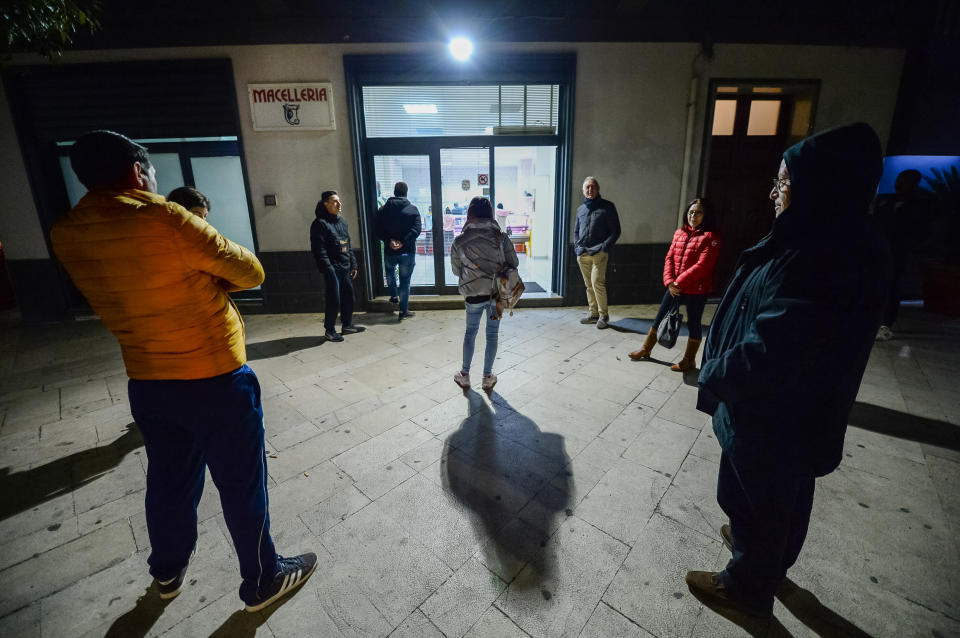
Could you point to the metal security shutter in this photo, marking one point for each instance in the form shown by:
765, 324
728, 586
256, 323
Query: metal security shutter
178, 98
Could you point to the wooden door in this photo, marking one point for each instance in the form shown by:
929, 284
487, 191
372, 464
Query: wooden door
743, 160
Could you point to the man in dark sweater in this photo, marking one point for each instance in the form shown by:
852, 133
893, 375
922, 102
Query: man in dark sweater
398, 226
330, 244
595, 231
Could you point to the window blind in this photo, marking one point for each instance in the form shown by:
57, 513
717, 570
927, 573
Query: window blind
404, 111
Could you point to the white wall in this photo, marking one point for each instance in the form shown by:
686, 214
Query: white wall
629, 128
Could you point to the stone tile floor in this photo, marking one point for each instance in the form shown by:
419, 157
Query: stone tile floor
571, 504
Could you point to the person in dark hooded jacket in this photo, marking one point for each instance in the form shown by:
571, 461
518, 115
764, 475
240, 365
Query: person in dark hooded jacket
784, 357
330, 244
398, 226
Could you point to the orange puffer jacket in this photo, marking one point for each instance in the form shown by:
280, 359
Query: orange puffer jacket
158, 277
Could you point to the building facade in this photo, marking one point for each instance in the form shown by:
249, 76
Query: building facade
523, 123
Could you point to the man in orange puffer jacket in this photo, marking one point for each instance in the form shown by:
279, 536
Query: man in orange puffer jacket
158, 277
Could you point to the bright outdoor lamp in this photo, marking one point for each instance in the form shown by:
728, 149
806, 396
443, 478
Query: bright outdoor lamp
461, 48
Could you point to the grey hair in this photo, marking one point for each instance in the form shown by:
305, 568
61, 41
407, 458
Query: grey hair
591, 178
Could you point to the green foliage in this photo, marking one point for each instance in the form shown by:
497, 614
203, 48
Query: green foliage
45, 27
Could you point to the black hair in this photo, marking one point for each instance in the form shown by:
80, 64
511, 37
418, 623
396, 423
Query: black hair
480, 208
500, 206
188, 197
103, 158
400, 189
709, 222
325, 195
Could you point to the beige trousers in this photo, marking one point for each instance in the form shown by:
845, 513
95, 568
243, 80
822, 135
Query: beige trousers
594, 271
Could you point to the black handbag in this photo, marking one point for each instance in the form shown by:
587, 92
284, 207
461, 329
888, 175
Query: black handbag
669, 327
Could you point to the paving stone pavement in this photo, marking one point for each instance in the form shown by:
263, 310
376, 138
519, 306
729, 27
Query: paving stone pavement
570, 503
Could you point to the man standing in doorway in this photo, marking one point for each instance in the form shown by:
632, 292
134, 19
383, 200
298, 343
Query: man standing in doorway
330, 244
158, 277
785, 354
398, 226
595, 231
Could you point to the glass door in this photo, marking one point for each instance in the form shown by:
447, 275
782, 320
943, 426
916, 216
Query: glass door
519, 181
525, 186
464, 174
414, 170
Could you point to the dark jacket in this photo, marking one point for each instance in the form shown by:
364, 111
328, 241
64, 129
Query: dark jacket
597, 227
791, 337
398, 219
330, 242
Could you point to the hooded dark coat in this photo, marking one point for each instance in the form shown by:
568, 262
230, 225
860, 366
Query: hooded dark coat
790, 340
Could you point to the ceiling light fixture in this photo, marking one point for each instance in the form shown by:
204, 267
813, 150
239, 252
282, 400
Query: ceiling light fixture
420, 109
461, 48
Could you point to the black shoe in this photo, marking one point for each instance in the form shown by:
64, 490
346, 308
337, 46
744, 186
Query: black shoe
333, 335
291, 573
171, 588
351, 329
395, 301
405, 315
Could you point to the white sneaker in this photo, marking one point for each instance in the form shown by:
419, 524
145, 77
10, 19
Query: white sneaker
884, 333
462, 379
489, 380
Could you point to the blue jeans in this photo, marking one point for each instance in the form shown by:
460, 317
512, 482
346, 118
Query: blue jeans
188, 426
475, 312
405, 263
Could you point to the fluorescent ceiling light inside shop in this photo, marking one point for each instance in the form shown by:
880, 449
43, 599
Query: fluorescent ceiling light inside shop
420, 109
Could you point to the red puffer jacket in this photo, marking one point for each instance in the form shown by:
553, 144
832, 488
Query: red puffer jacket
690, 260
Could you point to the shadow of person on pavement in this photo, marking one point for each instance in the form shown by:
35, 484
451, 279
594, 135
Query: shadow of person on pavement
811, 612
902, 425
281, 347
516, 481
144, 615
21, 491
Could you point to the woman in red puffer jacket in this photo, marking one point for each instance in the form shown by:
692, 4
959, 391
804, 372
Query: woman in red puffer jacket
688, 277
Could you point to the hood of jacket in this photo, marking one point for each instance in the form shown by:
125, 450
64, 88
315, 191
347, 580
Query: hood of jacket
395, 204
481, 226
833, 175
322, 213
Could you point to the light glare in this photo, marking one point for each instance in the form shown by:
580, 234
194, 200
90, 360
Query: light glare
461, 48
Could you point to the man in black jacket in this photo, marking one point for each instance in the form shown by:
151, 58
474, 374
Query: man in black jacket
398, 226
595, 231
330, 244
785, 354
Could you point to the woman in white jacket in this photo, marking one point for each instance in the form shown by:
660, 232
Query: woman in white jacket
476, 255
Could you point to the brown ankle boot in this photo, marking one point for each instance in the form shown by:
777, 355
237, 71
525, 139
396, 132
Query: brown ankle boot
689, 361
648, 343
